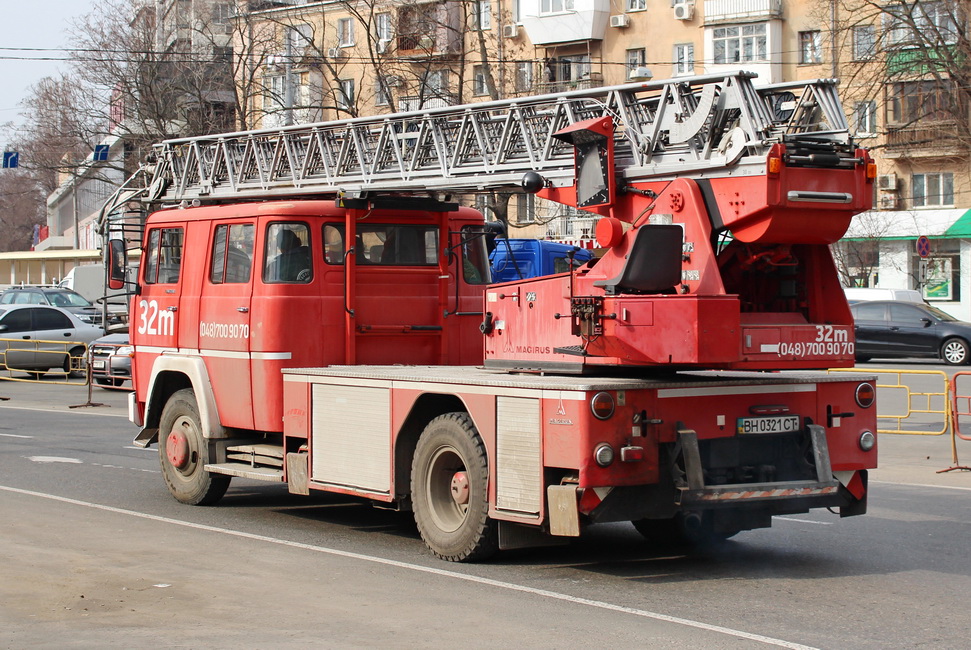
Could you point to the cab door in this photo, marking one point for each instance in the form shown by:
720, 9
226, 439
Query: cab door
155, 319
225, 320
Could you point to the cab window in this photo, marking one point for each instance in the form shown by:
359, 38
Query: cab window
164, 256
385, 244
232, 253
287, 256
475, 259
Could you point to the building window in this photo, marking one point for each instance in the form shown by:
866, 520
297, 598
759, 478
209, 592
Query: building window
299, 38
483, 15
525, 208
916, 23
741, 43
345, 32
568, 68
274, 92
382, 91
932, 189
524, 76
810, 47
635, 59
479, 84
864, 42
222, 18
911, 101
382, 26
865, 118
636, 5
684, 58
345, 94
555, 6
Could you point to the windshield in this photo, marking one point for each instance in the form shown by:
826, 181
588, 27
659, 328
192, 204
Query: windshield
941, 314
66, 299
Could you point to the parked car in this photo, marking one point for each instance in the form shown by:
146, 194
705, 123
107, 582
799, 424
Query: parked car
891, 328
36, 338
856, 294
55, 297
111, 360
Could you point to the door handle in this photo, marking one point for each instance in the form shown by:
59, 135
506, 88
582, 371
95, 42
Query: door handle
26, 337
172, 308
242, 310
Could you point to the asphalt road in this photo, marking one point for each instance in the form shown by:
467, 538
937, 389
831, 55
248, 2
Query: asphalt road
94, 553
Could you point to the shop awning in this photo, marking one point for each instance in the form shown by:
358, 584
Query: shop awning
911, 224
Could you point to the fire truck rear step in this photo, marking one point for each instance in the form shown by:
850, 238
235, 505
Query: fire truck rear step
258, 461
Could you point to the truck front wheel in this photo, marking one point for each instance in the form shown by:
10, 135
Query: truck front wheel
183, 453
449, 490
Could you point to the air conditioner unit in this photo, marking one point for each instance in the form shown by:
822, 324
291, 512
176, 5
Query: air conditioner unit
620, 20
888, 202
382, 45
887, 182
336, 53
510, 31
684, 11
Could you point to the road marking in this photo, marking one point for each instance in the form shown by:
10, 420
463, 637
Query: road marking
71, 412
13, 435
806, 521
445, 573
53, 459
924, 485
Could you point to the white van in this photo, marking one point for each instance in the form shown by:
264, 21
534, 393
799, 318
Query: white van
877, 293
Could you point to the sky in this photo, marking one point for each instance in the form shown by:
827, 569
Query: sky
31, 24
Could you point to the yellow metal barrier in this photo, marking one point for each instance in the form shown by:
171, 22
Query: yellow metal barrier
28, 356
925, 395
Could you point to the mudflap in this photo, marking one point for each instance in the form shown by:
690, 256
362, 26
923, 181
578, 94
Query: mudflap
853, 505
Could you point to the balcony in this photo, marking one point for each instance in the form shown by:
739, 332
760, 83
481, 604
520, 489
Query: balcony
585, 21
726, 11
925, 141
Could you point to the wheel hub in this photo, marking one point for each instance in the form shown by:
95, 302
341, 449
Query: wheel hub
177, 449
460, 488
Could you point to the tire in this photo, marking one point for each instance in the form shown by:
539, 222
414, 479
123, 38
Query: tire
451, 459
183, 453
693, 529
954, 352
74, 364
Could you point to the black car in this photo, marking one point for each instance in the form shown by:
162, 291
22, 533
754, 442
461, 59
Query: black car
889, 328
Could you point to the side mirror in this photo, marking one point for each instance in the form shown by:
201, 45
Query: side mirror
3, 328
927, 322
117, 263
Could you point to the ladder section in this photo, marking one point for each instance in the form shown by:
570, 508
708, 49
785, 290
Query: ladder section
707, 125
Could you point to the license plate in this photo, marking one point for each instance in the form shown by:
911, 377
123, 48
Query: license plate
770, 424
98, 365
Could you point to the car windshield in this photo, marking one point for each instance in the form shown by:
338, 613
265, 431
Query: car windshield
940, 314
67, 299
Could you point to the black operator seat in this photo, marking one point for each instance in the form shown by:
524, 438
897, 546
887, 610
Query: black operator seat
653, 264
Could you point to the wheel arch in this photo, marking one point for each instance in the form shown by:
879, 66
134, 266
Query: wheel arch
172, 373
426, 408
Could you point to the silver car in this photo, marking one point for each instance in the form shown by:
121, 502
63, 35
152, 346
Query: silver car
36, 339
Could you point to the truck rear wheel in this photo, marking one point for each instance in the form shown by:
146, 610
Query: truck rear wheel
450, 490
183, 453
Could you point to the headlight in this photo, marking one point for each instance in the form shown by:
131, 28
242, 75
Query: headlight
867, 440
125, 351
603, 454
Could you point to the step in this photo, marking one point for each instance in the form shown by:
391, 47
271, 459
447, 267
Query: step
244, 470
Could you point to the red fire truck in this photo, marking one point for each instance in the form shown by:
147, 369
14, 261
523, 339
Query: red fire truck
312, 308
